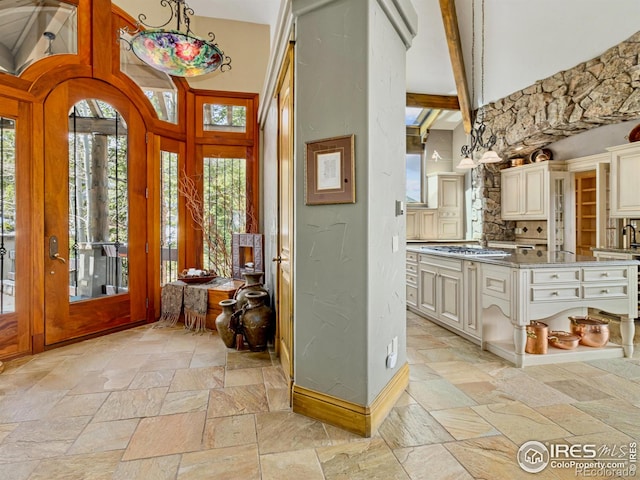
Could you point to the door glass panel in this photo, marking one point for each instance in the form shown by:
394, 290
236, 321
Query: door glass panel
169, 217
34, 29
224, 118
98, 201
225, 210
7, 214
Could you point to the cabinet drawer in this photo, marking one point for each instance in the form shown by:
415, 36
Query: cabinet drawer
604, 274
554, 294
412, 257
412, 279
412, 296
412, 268
605, 291
543, 275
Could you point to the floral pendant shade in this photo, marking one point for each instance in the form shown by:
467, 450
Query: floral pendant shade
176, 53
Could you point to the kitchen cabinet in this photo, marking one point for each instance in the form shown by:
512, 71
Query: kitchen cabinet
526, 191
625, 194
445, 191
440, 289
472, 321
412, 279
422, 223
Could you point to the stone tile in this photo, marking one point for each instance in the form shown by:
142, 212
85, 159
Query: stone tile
14, 383
532, 392
167, 361
438, 395
404, 400
237, 401
338, 436
197, 379
18, 471
490, 457
421, 372
246, 359
131, 404
618, 387
459, 372
78, 405
582, 369
464, 423
104, 436
573, 419
32, 406
484, 392
423, 342
152, 379
107, 380
519, 422
411, 426
50, 430
126, 361
182, 402
414, 356
208, 359
365, 460
421, 463
151, 440
549, 373
578, 390
302, 464
158, 468
18, 452
6, 429
229, 431
96, 466
243, 376
622, 367
617, 414
228, 464
286, 431
274, 377
278, 399
435, 355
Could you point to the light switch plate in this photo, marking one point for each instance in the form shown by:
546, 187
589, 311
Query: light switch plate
395, 243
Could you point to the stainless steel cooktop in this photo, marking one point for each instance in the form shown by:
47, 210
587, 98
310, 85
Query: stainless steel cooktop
463, 250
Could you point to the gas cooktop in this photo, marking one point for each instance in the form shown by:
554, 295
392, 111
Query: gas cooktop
469, 251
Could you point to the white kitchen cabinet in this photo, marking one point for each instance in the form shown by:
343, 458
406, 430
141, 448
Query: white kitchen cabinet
422, 223
412, 279
440, 289
526, 190
446, 193
472, 321
625, 193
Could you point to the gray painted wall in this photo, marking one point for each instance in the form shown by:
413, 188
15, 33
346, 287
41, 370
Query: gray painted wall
349, 285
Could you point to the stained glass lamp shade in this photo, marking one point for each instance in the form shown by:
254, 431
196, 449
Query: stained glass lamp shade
176, 53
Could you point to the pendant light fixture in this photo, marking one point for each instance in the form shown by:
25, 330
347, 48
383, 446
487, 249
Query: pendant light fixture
477, 133
176, 52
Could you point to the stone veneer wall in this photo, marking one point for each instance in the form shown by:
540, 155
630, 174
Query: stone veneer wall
598, 92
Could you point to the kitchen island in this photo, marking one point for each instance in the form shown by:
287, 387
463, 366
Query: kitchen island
490, 297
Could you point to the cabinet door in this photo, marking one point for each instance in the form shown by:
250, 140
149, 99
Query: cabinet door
413, 228
625, 194
535, 193
449, 228
511, 194
472, 320
428, 224
428, 289
449, 193
450, 297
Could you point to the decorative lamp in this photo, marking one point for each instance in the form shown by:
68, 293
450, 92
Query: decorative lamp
490, 157
466, 163
176, 52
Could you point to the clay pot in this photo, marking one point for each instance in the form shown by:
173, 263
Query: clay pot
225, 322
252, 284
563, 340
256, 321
593, 332
537, 338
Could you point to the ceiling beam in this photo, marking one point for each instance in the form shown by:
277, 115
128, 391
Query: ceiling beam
426, 125
450, 20
422, 100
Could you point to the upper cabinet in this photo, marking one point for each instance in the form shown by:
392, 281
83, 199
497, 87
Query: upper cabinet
526, 191
625, 194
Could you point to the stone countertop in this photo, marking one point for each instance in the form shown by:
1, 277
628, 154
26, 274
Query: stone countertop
631, 251
523, 258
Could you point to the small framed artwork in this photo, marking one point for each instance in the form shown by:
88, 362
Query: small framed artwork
330, 171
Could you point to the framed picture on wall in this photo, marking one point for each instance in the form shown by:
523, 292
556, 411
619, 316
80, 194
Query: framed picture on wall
330, 171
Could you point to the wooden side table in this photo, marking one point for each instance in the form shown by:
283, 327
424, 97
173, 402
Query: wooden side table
216, 294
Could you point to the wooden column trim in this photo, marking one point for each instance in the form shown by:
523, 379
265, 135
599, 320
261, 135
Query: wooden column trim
450, 20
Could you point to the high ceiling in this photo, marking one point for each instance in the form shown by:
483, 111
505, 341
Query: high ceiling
525, 40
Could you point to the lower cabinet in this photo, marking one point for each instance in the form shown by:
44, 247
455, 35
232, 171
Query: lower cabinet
440, 289
412, 279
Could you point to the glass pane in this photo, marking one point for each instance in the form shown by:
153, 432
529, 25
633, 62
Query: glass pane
98, 201
169, 217
34, 29
225, 210
414, 177
224, 118
7, 214
156, 85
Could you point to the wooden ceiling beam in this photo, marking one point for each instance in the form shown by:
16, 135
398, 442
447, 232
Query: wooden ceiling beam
450, 20
423, 100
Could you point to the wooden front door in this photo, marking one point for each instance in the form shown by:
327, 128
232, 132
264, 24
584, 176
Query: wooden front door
95, 211
284, 329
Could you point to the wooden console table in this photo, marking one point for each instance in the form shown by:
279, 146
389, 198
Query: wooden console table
216, 294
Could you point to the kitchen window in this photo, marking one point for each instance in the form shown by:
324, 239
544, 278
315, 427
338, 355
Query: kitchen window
414, 178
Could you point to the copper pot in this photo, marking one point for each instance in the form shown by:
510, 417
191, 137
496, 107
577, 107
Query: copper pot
537, 333
593, 332
563, 340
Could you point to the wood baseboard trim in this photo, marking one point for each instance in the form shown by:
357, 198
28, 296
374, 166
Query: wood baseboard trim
359, 419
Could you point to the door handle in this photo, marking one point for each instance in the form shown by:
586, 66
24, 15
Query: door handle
53, 249
278, 259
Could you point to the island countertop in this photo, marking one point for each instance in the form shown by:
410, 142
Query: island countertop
524, 258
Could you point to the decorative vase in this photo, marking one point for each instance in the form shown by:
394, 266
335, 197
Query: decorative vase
252, 284
225, 322
256, 321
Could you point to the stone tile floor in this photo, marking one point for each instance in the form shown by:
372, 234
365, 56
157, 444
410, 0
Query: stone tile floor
152, 403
